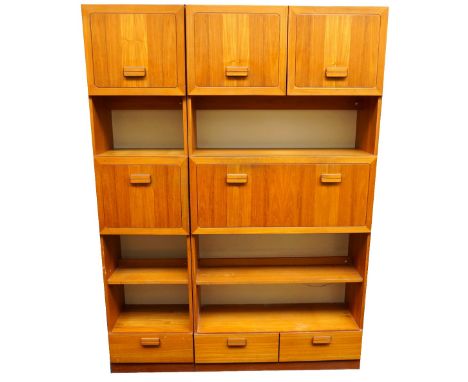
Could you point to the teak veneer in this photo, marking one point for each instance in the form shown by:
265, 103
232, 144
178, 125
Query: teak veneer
215, 128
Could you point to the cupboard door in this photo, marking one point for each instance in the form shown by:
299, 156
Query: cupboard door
236, 50
139, 196
139, 50
283, 195
336, 50
151, 348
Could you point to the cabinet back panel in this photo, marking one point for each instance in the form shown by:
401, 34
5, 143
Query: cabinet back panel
153, 247
276, 128
272, 294
147, 129
245, 246
155, 294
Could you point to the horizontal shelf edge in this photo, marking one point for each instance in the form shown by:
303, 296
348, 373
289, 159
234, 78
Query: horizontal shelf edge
144, 231
278, 230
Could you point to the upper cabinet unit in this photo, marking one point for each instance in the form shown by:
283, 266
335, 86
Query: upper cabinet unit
236, 50
135, 50
336, 50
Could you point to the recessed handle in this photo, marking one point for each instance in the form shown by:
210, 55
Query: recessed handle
321, 340
140, 178
150, 342
237, 71
330, 178
336, 72
134, 71
236, 342
236, 178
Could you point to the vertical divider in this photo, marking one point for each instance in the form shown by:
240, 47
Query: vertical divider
195, 291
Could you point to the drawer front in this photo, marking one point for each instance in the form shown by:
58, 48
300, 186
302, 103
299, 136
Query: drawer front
303, 195
151, 348
236, 348
335, 49
236, 50
139, 196
320, 346
138, 50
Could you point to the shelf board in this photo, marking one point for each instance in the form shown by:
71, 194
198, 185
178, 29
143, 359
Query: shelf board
142, 153
275, 318
144, 231
153, 318
287, 155
278, 275
149, 275
276, 230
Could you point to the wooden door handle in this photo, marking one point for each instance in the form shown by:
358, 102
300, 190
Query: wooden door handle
236, 71
236, 342
321, 340
150, 342
134, 71
330, 178
140, 179
336, 72
236, 178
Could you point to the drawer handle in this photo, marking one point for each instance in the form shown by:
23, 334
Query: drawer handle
321, 340
236, 342
236, 71
140, 178
336, 72
330, 178
150, 342
134, 71
236, 178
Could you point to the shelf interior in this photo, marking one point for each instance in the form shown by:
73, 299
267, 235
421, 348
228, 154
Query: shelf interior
275, 318
153, 318
278, 274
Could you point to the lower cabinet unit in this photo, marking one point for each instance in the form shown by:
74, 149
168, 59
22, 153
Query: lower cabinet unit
151, 348
320, 346
236, 348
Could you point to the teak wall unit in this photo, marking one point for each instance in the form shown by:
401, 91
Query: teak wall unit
235, 153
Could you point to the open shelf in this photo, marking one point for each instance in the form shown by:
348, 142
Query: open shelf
149, 275
240, 152
142, 153
275, 318
153, 318
278, 275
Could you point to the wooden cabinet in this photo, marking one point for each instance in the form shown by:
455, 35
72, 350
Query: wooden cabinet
336, 50
320, 346
235, 212
135, 49
133, 195
151, 348
236, 50
236, 348
282, 195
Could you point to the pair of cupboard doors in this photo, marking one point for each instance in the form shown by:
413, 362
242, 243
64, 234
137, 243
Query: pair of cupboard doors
234, 50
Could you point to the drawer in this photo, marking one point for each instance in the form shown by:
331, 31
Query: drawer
139, 48
151, 348
140, 196
236, 348
335, 48
282, 195
320, 346
236, 49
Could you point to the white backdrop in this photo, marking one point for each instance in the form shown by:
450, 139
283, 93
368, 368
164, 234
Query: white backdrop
52, 319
